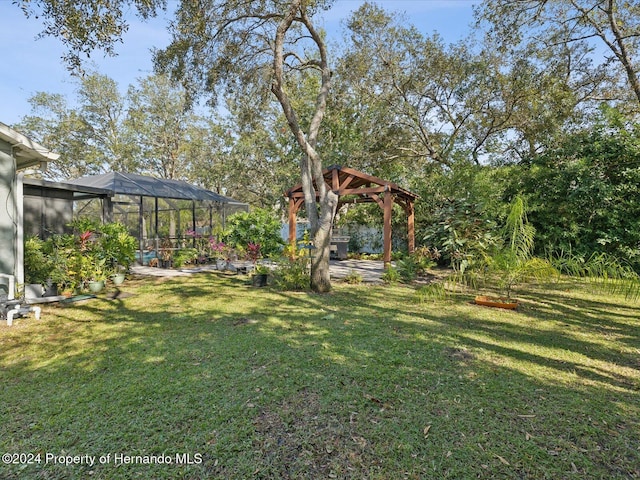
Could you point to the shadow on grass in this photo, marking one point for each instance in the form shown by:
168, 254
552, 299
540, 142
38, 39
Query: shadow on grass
362, 382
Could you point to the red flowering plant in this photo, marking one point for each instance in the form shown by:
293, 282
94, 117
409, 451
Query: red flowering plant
84, 239
253, 252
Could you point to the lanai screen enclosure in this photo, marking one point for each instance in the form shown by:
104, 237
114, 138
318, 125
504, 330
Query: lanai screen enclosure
155, 208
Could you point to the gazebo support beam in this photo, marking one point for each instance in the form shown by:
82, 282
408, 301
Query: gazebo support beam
388, 206
155, 220
294, 207
348, 182
411, 227
107, 210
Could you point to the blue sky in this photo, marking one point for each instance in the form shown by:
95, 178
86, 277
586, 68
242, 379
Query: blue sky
33, 65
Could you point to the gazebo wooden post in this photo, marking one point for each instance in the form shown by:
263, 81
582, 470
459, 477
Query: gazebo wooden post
411, 229
346, 182
388, 206
292, 222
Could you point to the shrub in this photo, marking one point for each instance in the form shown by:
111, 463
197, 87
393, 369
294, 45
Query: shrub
353, 278
512, 263
407, 269
610, 273
92, 253
417, 263
259, 226
390, 276
292, 274
118, 246
184, 256
461, 234
36, 264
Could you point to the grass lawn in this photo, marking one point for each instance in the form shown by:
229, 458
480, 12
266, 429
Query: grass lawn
364, 382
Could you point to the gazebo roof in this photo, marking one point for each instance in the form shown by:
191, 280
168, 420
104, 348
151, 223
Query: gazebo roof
132, 184
347, 181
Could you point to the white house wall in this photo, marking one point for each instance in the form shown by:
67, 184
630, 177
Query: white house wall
8, 211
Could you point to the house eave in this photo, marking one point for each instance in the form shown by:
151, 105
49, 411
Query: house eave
26, 152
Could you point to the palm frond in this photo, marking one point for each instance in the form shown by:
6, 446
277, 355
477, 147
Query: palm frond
520, 233
608, 273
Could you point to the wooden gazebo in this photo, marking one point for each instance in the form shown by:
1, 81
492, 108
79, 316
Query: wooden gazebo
346, 182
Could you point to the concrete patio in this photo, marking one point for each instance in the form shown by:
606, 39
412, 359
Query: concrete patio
370, 270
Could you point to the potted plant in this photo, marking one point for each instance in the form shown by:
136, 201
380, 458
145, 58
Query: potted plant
218, 250
90, 261
200, 244
253, 252
66, 260
119, 248
58, 272
514, 263
260, 276
166, 253
36, 267
184, 256
118, 277
98, 273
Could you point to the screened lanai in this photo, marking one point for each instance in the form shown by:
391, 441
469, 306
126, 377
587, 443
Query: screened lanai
160, 211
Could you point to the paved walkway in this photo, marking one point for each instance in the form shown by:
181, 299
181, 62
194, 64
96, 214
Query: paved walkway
370, 270
170, 272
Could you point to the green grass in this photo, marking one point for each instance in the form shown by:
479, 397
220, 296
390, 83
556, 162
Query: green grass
364, 382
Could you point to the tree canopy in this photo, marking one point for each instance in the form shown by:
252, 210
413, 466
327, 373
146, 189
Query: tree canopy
541, 101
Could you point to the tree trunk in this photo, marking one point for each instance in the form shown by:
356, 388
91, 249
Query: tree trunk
320, 202
321, 234
621, 51
320, 276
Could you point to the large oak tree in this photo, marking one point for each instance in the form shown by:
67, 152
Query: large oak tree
603, 36
229, 46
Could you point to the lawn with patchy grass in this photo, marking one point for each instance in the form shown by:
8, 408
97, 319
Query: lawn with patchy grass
364, 382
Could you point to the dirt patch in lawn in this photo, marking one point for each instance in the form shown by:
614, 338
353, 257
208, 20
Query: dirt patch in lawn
297, 439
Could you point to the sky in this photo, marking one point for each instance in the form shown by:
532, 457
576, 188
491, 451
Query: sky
31, 65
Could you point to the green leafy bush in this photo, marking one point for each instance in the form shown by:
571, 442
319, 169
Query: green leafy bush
407, 269
118, 246
461, 234
417, 263
608, 272
93, 252
390, 276
259, 226
292, 274
353, 278
184, 256
512, 262
584, 192
37, 266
